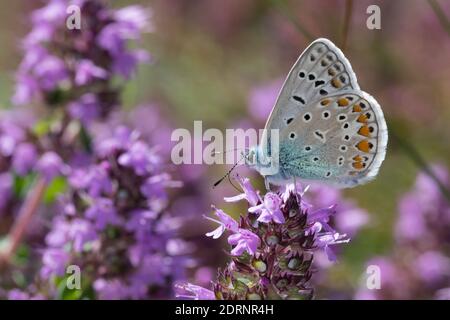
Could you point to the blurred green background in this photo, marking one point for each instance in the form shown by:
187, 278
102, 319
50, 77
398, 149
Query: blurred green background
208, 56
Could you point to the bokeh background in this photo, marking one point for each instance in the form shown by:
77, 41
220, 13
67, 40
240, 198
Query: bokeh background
223, 62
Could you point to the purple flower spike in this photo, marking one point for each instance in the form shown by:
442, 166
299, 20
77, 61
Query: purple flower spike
274, 258
24, 158
86, 71
50, 165
269, 210
190, 291
244, 240
249, 193
225, 223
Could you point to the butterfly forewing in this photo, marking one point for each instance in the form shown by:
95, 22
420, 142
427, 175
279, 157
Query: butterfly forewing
321, 70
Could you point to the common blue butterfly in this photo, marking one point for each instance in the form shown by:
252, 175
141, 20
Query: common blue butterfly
329, 129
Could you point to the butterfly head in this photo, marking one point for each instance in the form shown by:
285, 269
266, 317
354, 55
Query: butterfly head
251, 157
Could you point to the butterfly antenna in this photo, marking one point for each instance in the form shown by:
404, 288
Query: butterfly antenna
228, 173
234, 186
224, 152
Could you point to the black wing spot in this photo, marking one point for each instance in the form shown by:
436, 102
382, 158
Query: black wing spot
311, 77
319, 83
323, 92
307, 148
326, 114
299, 99
289, 120
345, 126
292, 135
307, 117
319, 134
328, 174
301, 74
313, 58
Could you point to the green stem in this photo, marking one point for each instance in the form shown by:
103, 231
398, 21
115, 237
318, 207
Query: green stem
416, 157
347, 18
282, 8
440, 14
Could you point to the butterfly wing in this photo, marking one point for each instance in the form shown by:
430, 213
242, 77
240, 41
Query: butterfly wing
341, 139
313, 126
321, 69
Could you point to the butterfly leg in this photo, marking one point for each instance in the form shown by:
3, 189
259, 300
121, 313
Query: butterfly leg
267, 184
296, 191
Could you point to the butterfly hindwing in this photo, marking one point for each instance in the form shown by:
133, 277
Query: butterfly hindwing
341, 139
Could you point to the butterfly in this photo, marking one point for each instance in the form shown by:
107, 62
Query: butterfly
329, 130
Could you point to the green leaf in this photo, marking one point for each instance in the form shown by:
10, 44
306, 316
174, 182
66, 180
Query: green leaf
56, 187
23, 184
42, 127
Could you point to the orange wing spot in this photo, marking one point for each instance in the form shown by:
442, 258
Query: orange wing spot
358, 165
363, 145
357, 108
362, 118
357, 158
325, 102
336, 83
364, 131
343, 102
